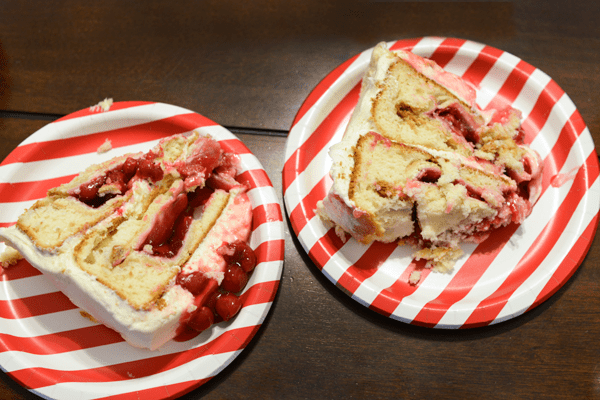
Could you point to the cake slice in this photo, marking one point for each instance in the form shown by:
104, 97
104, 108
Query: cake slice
122, 240
420, 163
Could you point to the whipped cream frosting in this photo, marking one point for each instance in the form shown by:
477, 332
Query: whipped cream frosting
147, 329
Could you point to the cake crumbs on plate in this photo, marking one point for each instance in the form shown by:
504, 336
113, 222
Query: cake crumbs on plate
415, 277
102, 106
104, 147
9, 257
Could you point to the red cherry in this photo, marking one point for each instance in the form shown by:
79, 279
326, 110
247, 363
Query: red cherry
148, 169
212, 300
88, 191
129, 167
230, 161
194, 282
247, 257
191, 170
117, 178
202, 319
222, 181
235, 278
227, 305
240, 253
199, 197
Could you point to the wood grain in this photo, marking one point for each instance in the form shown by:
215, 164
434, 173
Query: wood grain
250, 65
253, 65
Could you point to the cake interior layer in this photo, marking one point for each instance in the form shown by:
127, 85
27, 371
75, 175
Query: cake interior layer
120, 255
411, 108
399, 185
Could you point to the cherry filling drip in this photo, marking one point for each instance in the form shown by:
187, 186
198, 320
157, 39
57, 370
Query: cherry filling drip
88, 193
148, 169
429, 175
520, 137
170, 228
472, 191
225, 175
459, 121
121, 178
215, 304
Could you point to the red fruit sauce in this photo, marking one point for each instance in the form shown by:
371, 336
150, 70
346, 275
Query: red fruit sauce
169, 229
121, 177
459, 121
223, 302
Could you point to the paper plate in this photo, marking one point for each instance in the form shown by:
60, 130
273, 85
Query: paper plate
45, 344
519, 266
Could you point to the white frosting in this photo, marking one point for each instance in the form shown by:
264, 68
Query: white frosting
147, 329
232, 225
360, 123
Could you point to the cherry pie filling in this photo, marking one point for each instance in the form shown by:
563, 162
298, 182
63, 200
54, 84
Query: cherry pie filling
213, 302
216, 303
121, 178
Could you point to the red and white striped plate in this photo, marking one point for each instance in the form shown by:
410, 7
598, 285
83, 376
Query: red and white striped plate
519, 266
45, 344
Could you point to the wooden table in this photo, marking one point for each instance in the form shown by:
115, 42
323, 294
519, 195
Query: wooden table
249, 66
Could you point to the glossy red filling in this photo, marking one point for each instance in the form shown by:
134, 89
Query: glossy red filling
459, 121
429, 175
170, 228
216, 303
121, 178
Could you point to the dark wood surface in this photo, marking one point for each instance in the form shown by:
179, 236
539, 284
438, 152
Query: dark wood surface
249, 66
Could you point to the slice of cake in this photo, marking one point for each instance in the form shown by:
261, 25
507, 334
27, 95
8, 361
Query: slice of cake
146, 243
419, 163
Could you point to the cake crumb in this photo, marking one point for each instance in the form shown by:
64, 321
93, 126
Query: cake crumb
104, 147
9, 257
439, 259
102, 106
415, 277
88, 316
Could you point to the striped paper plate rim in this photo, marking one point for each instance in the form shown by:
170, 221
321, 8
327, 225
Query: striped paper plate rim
519, 266
45, 344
